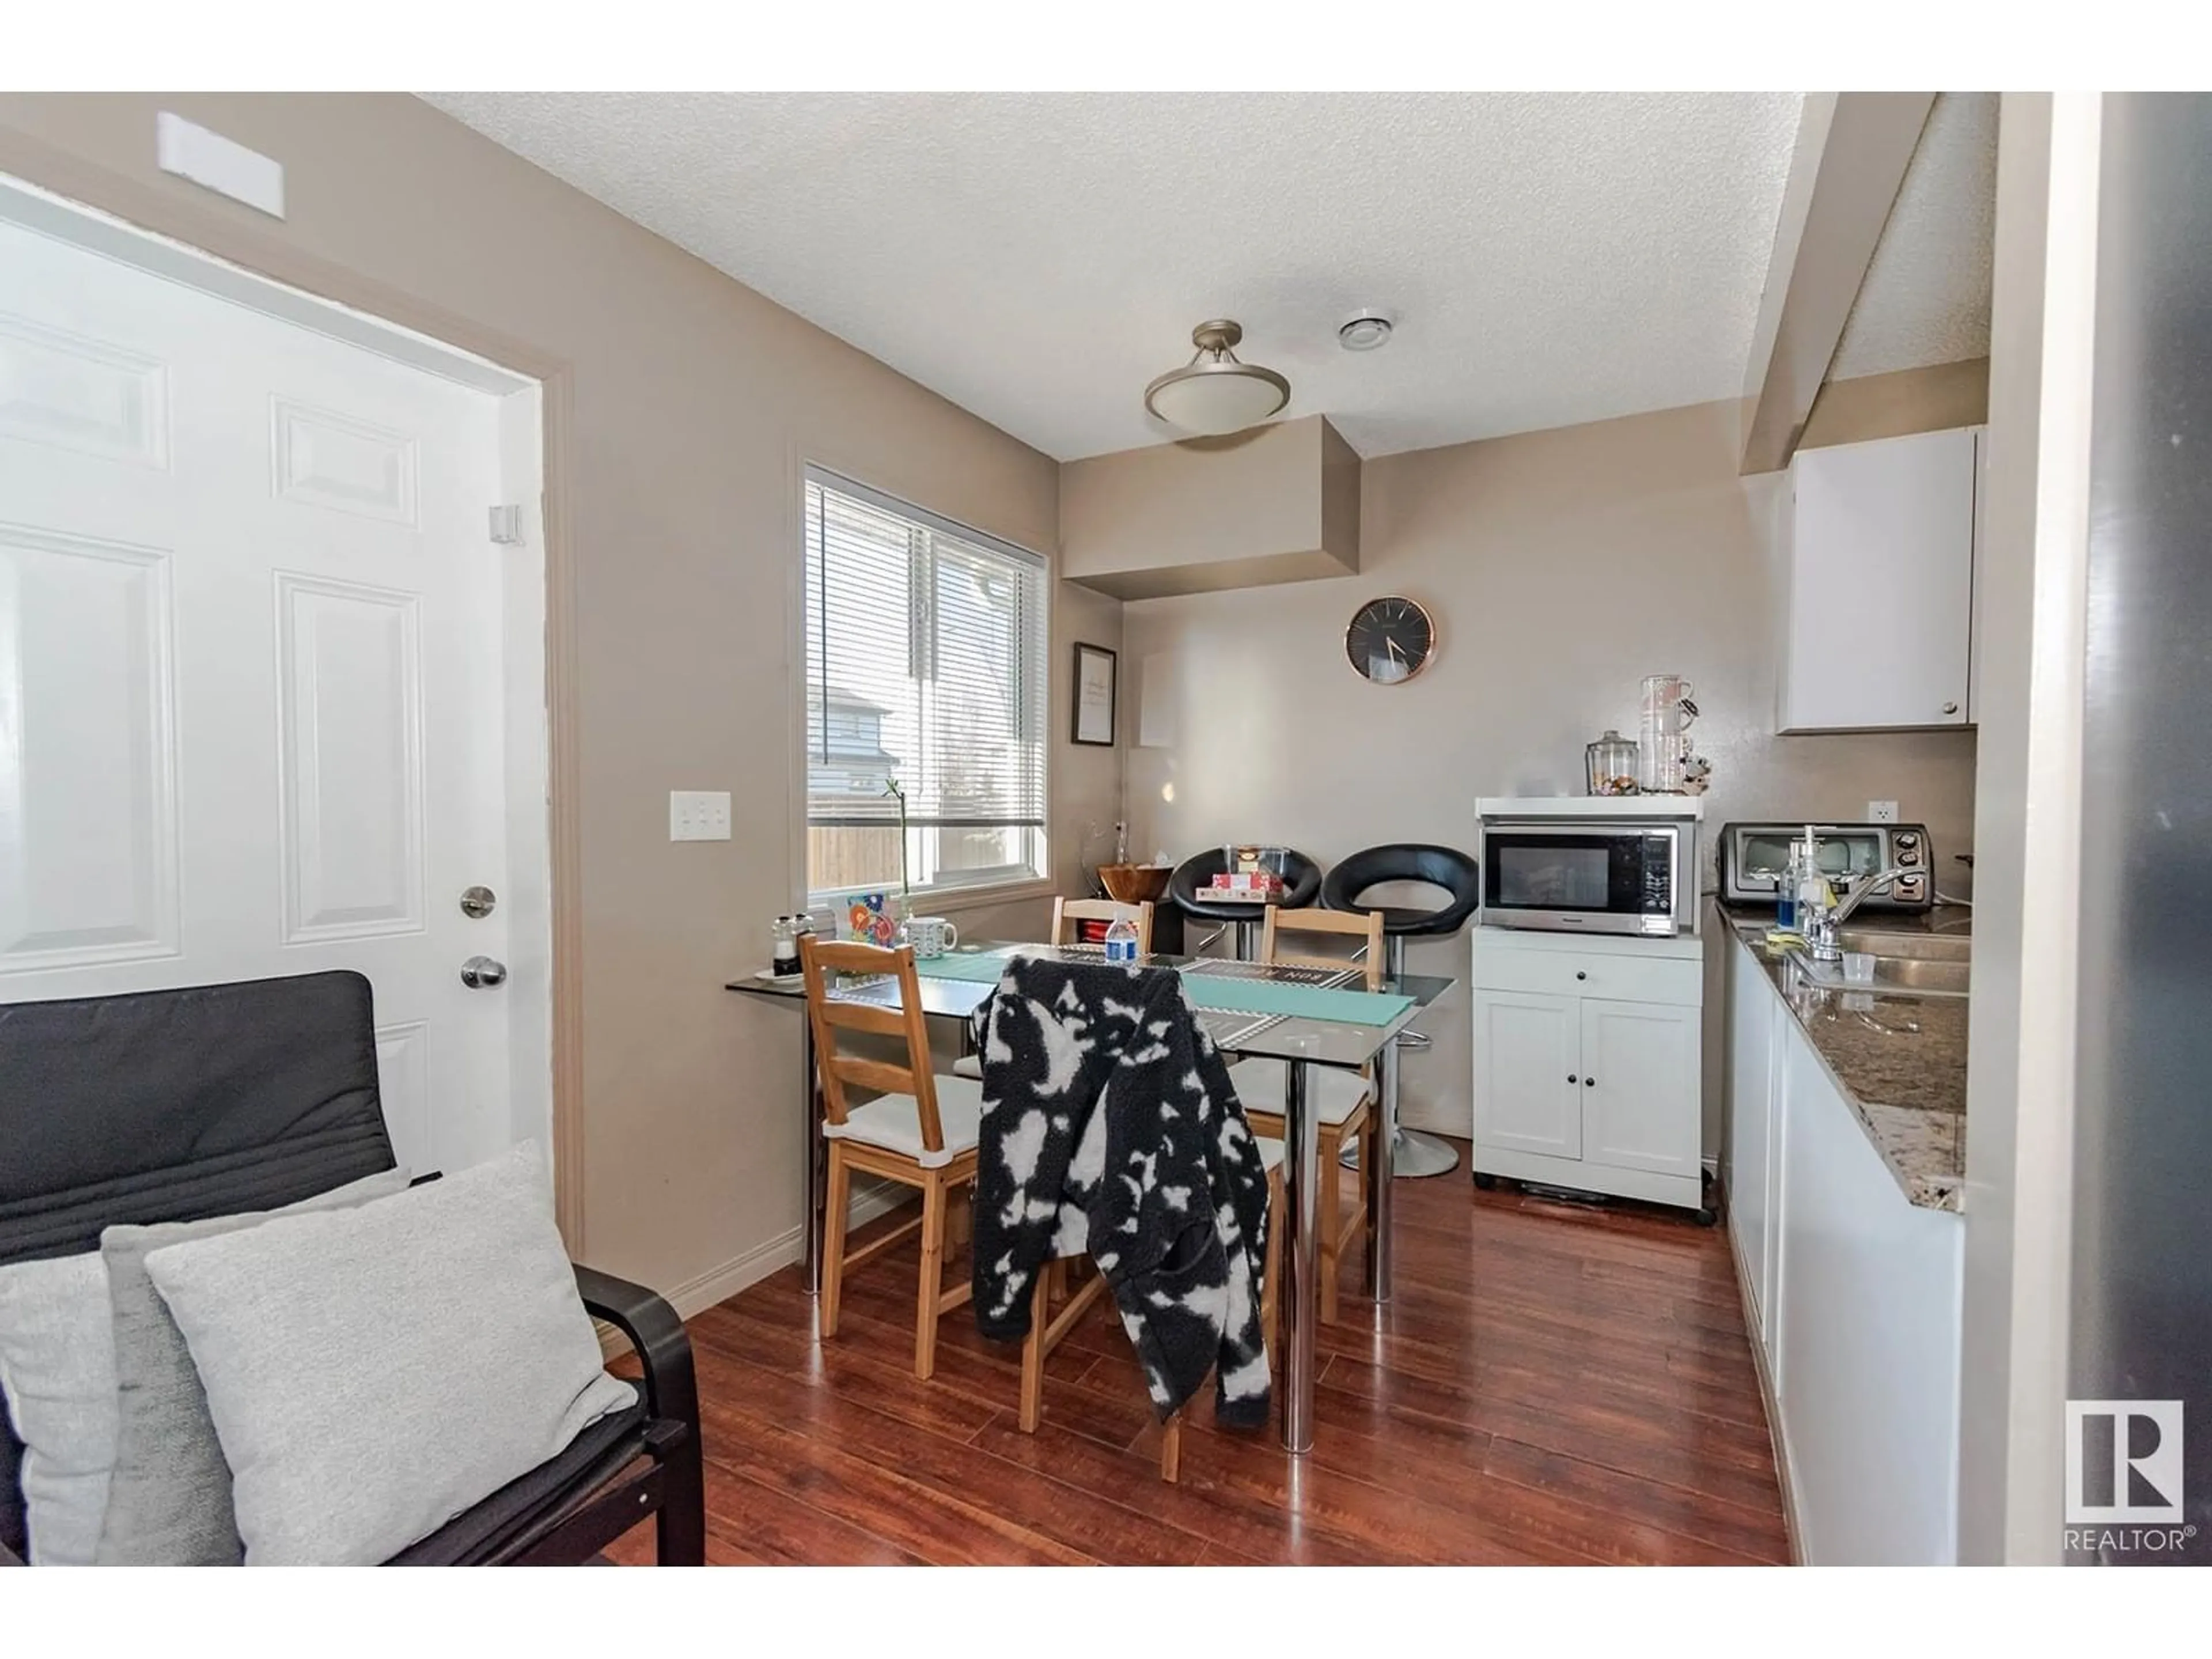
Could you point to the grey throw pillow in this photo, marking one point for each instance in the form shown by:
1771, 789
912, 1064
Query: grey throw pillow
373, 1372
169, 1497
58, 1370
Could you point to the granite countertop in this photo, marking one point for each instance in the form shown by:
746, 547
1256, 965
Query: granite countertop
1899, 1061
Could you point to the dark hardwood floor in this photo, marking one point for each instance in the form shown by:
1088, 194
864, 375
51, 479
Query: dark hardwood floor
1551, 1383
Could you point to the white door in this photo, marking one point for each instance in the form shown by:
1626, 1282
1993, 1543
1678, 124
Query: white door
1640, 1105
252, 693
1882, 583
1526, 1090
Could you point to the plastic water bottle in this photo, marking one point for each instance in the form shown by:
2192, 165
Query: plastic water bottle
1121, 940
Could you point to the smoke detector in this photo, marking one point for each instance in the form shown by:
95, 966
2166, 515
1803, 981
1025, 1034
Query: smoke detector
1364, 330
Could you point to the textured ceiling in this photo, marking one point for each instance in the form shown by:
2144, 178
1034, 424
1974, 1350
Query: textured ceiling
1926, 296
1037, 259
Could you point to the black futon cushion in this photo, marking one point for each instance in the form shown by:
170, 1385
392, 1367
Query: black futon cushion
172, 1106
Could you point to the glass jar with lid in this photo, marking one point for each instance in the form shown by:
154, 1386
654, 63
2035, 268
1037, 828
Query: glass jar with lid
783, 948
1610, 765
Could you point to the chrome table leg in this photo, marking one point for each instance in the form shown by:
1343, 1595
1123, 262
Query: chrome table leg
818, 1166
1299, 1302
1412, 1151
1376, 1178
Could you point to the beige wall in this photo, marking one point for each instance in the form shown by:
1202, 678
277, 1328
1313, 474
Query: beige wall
689, 404
1891, 405
1561, 568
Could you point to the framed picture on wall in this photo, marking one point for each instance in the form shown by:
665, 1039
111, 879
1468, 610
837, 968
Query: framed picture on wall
1096, 671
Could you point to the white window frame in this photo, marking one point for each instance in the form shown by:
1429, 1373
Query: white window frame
937, 897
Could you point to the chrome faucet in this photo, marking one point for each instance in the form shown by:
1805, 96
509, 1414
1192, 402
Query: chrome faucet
1822, 928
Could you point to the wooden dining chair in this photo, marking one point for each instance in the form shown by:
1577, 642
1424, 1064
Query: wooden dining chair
920, 1130
1342, 1101
1067, 912
1048, 1329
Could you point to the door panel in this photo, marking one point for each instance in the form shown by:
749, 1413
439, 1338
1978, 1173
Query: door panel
1640, 1106
88, 808
252, 697
1525, 1066
77, 392
349, 751
328, 460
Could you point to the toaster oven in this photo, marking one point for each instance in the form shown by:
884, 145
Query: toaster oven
1754, 856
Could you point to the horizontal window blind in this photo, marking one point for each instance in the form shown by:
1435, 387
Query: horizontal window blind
925, 648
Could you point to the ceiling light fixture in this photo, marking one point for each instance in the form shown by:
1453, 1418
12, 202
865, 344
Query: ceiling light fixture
1214, 394
1364, 330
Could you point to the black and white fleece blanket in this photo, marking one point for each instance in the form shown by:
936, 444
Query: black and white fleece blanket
1110, 1124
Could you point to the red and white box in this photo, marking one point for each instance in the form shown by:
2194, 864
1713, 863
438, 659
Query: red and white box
1247, 886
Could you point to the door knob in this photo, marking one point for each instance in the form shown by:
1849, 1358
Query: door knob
482, 973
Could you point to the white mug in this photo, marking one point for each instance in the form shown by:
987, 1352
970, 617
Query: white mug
931, 936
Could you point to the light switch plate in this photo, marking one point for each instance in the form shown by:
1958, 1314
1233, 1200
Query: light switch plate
698, 815
1881, 812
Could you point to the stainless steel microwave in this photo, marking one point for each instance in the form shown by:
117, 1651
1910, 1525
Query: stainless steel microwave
1591, 875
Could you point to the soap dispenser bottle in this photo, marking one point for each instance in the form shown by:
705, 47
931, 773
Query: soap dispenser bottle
1814, 900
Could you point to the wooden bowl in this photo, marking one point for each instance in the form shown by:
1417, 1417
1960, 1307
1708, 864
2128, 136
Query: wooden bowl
1135, 883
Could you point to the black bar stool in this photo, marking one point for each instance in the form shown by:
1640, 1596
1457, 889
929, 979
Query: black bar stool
1412, 1152
1301, 881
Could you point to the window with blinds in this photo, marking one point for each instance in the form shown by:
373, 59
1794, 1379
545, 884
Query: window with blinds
926, 648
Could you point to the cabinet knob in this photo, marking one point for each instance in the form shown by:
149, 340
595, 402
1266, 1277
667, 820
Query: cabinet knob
1589, 1083
1572, 1077
1579, 973
1950, 708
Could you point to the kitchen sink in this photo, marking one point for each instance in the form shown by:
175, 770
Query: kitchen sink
1909, 947
1938, 967
1920, 977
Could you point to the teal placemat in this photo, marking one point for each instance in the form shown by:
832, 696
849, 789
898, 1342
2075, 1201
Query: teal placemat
977, 967
1259, 996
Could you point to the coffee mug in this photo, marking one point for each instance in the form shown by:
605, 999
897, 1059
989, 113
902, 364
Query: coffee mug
931, 936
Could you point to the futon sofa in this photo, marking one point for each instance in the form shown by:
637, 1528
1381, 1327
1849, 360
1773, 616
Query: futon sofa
218, 1100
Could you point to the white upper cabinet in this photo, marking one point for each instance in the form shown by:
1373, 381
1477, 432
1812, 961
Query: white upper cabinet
1876, 583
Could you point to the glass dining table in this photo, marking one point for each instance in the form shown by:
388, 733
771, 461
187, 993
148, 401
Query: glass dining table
1303, 1017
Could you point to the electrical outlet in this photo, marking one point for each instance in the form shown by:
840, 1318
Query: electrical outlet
1881, 812
698, 815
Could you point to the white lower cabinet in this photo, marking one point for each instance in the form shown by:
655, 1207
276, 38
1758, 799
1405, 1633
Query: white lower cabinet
1855, 1297
1750, 1162
1572, 1088
1527, 1065
1640, 1107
